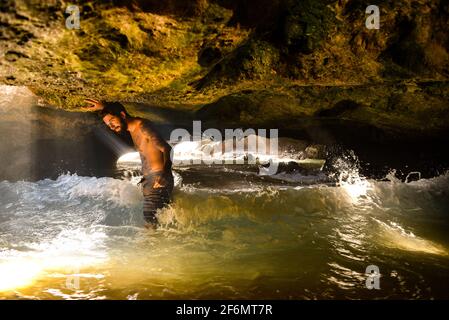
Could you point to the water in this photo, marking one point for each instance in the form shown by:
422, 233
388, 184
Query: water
229, 233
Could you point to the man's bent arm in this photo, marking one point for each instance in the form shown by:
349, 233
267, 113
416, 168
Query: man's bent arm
159, 143
165, 148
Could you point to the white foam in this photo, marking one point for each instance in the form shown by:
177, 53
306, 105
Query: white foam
185, 152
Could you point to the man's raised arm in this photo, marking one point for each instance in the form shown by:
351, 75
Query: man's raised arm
94, 105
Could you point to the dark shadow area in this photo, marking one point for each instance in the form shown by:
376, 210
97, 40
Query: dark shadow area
44, 143
378, 150
41, 142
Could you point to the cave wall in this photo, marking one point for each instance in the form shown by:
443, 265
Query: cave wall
42, 142
307, 58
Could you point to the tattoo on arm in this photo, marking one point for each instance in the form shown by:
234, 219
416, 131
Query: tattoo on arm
148, 129
152, 135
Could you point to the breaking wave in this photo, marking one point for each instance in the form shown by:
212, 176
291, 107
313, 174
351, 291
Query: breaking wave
227, 237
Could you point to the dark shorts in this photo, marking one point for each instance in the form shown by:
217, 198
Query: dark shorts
156, 198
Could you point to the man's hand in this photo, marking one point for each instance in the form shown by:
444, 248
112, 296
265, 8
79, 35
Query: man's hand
95, 105
159, 182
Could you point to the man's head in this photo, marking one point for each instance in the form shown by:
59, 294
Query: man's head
114, 115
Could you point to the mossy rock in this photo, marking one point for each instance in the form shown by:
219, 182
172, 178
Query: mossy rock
306, 25
255, 59
251, 108
98, 57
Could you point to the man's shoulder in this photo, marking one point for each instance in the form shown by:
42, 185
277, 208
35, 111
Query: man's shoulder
140, 122
145, 125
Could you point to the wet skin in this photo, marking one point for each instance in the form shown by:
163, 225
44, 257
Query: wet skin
154, 151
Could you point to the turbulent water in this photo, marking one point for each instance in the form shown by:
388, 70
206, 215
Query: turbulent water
229, 233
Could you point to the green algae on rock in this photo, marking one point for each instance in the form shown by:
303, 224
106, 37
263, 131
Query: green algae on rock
266, 60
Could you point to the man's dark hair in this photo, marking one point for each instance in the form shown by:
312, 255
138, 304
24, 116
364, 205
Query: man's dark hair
114, 108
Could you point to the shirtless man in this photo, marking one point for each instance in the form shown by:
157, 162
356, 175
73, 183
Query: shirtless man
157, 181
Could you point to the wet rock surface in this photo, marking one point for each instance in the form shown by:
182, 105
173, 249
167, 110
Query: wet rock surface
283, 63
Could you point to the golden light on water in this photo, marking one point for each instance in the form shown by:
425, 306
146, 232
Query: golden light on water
67, 254
356, 189
417, 244
18, 274
394, 236
21, 273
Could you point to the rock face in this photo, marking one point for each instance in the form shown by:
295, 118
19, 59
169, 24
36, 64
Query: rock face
243, 63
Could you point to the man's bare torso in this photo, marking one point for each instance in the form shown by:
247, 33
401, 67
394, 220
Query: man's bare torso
149, 145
